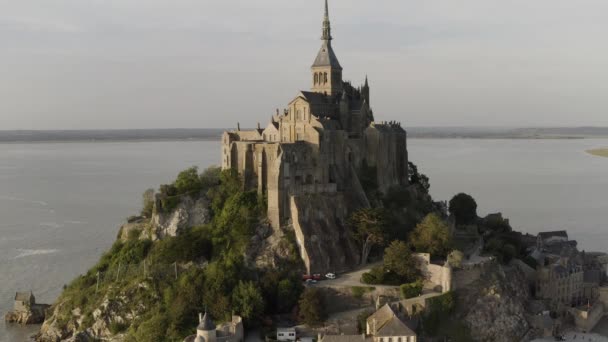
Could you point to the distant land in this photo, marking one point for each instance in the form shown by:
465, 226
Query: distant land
600, 152
215, 134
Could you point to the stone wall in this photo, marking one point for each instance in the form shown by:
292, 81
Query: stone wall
325, 243
439, 275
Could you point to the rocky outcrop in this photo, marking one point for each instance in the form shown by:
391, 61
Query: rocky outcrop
35, 315
115, 313
190, 212
494, 306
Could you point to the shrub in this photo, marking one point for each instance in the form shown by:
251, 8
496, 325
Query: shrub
411, 290
312, 307
433, 236
464, 208
359, 291
148, 203
188, 181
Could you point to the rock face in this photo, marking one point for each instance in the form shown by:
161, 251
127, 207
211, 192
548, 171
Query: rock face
325, 243
114, 313
35, 315
494, 305
189, 213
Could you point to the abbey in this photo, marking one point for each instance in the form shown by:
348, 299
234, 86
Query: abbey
310, 158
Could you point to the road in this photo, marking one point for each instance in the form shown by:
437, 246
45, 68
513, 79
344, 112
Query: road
353, 278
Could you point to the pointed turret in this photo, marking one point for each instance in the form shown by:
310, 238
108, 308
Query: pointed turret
326, 70
365, 90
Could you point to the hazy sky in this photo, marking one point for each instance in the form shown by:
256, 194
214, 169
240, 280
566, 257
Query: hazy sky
76, 64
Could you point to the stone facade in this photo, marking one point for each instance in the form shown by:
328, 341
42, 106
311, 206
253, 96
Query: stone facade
438, 275
319, 145
206, 331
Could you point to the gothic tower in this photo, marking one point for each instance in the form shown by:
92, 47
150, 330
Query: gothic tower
326, 70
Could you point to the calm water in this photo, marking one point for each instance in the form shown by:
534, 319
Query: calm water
61, 204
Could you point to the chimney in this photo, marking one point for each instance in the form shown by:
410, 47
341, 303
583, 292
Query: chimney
238, 126
200, 317
259, 125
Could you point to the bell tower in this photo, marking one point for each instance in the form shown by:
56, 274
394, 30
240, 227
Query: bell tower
326, 70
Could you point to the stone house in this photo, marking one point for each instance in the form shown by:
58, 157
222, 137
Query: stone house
384, 325
309, 159
24, 301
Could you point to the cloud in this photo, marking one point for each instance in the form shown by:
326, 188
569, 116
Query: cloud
193, 63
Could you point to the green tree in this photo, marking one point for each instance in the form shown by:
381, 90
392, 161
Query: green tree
247, 301
369, 227
455, 258
411, 290
398, 259
418, 178
312, 308
464, 208
432, 235
188, 181
148, 203
288, 292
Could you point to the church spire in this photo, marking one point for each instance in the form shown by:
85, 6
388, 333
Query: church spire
326, 25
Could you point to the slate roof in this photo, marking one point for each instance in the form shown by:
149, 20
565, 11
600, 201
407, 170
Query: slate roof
314, 98
327, 57
395, 327
558, 233
343, 338
206, 324
383, 315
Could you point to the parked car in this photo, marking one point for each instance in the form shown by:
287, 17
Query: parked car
317, 277
330, 276
311, 281
306, 277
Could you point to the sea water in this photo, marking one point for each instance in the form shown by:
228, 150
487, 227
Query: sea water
61, 204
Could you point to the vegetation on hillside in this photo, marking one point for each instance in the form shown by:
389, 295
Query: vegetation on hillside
209, 257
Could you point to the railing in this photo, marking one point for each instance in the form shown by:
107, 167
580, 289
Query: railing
143, 270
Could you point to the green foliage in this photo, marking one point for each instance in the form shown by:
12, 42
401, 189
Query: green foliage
369, 228
438, 310
191, 245
359, 291
247, 301
411, 290
433, 236
281, 290
374, 277
188, 181
312, 307
148, 203
398, 259
464, 208
417, 178
455, 258
117, 327
153, 329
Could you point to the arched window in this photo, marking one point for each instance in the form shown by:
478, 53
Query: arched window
316, 78
325, 78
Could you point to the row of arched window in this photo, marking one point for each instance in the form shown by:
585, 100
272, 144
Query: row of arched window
320, 78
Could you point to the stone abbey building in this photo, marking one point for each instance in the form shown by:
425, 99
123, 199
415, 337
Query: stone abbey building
309, 160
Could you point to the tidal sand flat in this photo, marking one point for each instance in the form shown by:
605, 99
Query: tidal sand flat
600, 152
